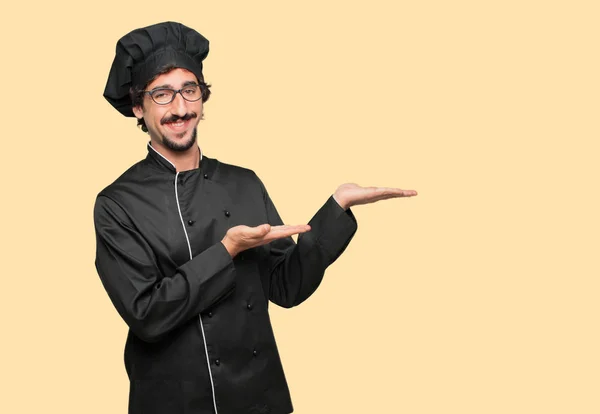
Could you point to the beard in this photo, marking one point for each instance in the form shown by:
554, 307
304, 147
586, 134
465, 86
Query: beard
181, 146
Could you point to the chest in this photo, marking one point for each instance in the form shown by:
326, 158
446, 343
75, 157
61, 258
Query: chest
182, 218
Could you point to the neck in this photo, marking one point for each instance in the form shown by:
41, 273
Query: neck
182, 160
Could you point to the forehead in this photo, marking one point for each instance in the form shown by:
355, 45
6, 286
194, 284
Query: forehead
173, 79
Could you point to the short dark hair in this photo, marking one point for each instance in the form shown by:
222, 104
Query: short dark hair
137, 93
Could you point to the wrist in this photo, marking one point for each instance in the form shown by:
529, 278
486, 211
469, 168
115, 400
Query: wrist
340, 203
229, 247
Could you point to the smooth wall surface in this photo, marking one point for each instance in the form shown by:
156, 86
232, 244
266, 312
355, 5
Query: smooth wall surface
480, 295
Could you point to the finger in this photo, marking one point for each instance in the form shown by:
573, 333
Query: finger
255, 233
286, 227
258, 233
388, 196
286, 231
402, 195
373, 199
395, 192
262, 229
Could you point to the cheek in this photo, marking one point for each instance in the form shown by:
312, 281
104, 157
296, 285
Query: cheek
196, 108
156, 117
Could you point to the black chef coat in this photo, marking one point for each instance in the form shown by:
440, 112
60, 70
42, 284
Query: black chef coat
200, 339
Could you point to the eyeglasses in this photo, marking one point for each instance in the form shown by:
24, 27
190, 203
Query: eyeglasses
164, 96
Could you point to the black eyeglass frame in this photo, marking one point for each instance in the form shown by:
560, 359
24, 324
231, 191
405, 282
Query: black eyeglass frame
175, 92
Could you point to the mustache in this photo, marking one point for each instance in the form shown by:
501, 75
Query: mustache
175, 118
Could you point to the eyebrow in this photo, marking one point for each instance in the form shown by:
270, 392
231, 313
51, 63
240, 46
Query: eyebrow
168, 86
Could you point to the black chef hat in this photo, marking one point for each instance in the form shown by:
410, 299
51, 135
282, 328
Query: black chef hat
142, 53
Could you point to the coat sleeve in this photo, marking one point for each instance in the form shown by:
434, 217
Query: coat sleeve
151, 303
296, 270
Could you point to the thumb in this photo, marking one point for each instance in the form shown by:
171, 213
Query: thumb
263, 229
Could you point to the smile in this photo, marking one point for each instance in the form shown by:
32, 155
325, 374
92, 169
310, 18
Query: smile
178, 126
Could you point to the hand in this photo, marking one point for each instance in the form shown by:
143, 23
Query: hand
350, 194
240, 238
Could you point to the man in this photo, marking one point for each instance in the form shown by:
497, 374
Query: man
191, 250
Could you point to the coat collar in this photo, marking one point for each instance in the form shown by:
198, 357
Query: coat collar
207, 165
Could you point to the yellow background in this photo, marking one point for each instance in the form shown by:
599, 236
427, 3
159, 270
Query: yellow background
480, 295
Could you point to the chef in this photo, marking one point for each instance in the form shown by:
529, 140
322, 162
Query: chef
191, 250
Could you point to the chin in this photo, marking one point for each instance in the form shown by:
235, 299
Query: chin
184, 143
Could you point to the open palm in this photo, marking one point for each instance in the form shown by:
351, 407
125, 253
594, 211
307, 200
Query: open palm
351, 194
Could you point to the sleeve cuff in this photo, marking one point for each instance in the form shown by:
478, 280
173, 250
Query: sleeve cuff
212, 272
333, 228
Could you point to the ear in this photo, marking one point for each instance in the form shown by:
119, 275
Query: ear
138, 112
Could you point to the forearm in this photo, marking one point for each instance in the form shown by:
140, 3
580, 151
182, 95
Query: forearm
297, 269
150, 302
153, 305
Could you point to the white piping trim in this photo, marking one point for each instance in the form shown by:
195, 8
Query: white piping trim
181, 217
167, 158
212, 384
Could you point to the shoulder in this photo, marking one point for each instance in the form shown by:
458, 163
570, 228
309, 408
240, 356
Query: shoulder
133, 175
109, 201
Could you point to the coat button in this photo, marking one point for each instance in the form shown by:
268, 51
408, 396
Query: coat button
249, 306
210, 314
255, 352
205, 175
227, 213
191, 222
217, 362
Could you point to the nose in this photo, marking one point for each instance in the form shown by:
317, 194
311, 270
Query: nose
178, 106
